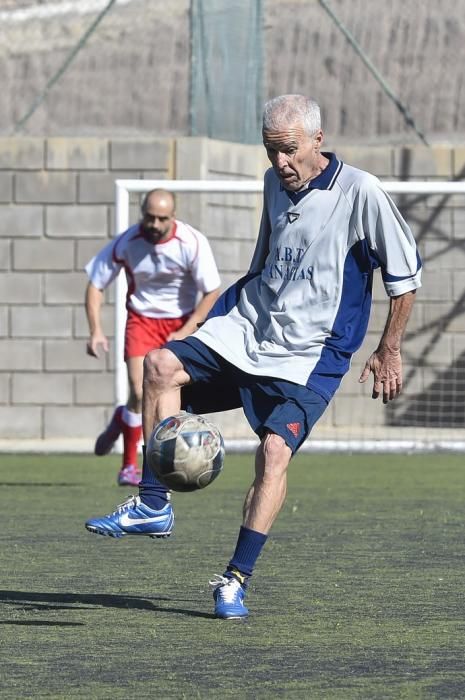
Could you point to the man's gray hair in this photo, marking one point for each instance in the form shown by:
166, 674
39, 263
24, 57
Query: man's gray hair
283, 110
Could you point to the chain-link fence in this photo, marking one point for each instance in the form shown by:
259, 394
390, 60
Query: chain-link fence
381, 71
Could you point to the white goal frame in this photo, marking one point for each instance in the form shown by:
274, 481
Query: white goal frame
123, 188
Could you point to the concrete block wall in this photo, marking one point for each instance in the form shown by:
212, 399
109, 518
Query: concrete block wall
57, 210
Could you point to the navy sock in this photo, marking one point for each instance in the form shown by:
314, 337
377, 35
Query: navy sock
152, 493
248, 548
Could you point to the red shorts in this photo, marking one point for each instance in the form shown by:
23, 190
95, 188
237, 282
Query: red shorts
144, 334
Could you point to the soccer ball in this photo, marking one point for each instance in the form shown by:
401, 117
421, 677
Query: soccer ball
185, 452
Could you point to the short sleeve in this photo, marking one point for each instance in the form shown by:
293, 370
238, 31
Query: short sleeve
389, 238
104, 267
203, 266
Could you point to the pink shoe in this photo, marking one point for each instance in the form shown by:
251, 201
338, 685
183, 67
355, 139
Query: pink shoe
129, 476
107, 439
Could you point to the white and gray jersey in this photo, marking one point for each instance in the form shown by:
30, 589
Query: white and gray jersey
303, 309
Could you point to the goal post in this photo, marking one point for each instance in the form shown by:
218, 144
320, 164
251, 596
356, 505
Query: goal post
419, 437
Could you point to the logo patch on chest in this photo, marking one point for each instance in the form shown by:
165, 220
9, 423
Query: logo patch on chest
292, 216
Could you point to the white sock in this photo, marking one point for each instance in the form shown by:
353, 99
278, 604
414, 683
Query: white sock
130, 418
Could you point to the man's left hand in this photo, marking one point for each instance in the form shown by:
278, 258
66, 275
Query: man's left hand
386, 366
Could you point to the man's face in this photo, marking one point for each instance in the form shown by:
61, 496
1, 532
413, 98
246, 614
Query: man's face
158, 218
294, 155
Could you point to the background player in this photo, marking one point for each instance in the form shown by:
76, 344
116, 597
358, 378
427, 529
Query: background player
279, 341
172, 283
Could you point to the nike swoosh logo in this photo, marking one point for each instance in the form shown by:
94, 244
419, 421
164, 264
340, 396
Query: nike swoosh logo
126, 521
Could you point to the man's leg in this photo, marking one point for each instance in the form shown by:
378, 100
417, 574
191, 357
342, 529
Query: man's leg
130, 473
261, 507
285, 424
268, 491
131, 419
164, 375
150, 513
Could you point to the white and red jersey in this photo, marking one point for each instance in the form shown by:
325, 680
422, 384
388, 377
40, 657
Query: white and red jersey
163, 279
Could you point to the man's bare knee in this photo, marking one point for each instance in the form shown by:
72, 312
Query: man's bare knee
162, 368
274, 444
276, 454
159, 364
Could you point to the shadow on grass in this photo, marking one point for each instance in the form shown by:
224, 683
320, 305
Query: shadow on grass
63, 601
40, 623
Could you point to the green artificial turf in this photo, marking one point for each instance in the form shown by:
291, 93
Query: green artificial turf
358, 593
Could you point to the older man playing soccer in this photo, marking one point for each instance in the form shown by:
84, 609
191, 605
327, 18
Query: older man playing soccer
279, 342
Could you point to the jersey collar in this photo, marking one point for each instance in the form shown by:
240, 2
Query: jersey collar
172, 234
324, 181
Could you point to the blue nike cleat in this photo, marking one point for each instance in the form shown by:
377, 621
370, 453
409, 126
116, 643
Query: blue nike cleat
134, 518
228, 595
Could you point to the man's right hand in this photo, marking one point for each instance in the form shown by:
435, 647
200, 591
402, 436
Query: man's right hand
96, 341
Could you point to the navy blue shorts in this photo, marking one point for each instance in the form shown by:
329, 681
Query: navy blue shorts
270, 404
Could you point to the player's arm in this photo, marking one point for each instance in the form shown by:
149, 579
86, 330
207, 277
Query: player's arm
386, 362
93, 303
198, 315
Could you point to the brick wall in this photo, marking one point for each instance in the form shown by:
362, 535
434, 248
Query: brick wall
57, 210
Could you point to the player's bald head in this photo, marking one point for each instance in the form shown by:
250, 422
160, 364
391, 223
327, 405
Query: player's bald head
159, 199
285, 110
158, 215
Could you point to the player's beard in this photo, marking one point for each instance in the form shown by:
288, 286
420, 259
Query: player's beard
152, 235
